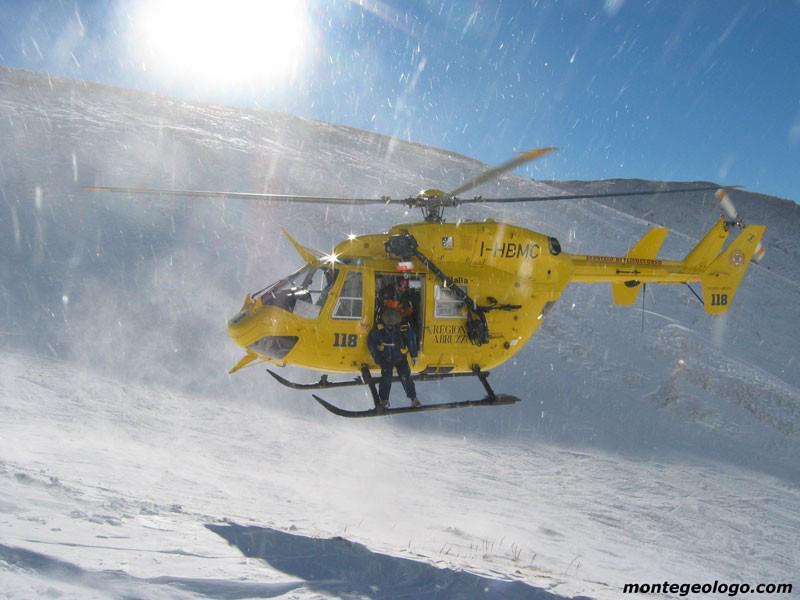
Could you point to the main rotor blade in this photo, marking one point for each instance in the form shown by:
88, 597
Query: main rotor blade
245, 195
494, 172
481, 200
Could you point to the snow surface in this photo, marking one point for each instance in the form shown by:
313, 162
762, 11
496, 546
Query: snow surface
132, 465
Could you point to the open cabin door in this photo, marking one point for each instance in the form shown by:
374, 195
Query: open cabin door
405, 292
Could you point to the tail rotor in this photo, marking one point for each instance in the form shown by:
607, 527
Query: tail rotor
733, 219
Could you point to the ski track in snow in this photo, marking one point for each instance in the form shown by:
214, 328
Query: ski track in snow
130, 461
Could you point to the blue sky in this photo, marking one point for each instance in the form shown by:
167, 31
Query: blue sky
674, 90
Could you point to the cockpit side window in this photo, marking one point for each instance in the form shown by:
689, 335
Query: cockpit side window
321, 281
302, 293
351, 300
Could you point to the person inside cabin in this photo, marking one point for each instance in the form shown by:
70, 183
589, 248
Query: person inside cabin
386, 294
390, 343
397, 294
406, 301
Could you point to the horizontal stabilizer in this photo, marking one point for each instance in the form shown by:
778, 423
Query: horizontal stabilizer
648, 247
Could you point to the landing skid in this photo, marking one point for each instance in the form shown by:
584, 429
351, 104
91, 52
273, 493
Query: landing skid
499, 399
491, 399
324, 383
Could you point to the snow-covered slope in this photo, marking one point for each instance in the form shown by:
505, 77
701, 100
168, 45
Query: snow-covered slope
665, 448
112, 488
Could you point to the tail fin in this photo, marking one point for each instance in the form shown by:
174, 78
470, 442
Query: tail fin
626, 293
709, 247
722, 277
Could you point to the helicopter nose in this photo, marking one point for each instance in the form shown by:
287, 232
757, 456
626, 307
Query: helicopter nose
239, 322
237, 318
248, 328
274, 346
242, 328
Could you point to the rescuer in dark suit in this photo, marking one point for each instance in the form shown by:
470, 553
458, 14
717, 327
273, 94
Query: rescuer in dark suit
390, 342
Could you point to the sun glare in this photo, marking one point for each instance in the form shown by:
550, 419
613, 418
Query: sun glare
231, 43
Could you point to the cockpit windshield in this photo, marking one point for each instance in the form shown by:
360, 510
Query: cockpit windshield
303, 293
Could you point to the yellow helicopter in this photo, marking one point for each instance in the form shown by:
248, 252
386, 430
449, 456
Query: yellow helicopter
479, 289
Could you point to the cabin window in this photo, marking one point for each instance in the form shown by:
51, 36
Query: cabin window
447, 305
350, 303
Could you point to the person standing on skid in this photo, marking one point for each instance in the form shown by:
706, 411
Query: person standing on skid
390, 342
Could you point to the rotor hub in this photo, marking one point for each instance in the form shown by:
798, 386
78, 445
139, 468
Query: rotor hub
431, 193
432, 203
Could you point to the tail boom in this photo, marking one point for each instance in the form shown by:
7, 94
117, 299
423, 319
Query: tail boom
622, 270
720, 272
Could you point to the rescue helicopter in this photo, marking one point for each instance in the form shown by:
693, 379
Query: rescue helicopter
480, 289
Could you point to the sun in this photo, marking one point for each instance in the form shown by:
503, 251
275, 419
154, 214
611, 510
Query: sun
224, 43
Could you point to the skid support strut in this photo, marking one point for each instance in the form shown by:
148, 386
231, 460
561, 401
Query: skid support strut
367, 377
482, 375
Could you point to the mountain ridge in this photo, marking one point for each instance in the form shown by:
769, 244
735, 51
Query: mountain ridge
141, 289
651, 442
